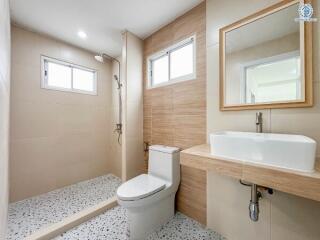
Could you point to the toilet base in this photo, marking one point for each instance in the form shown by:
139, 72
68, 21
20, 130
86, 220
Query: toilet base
144, 220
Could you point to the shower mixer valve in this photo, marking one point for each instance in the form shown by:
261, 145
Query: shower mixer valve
118, 128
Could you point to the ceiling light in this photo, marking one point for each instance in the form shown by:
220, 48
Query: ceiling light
82, 34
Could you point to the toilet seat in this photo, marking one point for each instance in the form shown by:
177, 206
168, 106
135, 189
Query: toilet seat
140, 187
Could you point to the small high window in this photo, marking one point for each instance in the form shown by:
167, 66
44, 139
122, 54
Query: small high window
63, 76
174, 64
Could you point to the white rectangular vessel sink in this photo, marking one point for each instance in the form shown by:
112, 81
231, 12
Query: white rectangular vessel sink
295, 152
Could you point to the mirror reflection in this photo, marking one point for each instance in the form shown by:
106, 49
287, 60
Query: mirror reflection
262, 60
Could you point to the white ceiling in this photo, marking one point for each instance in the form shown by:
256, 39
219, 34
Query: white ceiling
102, 20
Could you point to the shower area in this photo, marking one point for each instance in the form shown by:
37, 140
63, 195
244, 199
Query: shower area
70, 151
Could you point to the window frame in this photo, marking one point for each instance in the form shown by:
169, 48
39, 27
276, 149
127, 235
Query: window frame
44, 78
266, 60
167, 52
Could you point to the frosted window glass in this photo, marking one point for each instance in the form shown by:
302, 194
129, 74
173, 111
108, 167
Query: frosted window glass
83, 80
59, 75
160, 71
181, 61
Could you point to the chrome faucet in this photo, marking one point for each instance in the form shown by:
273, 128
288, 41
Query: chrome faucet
259, 122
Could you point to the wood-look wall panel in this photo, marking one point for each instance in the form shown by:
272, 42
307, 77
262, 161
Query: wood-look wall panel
175, 115
160, 38
190, 99
147, 104
162, 100
192, 198
147, 49
162, 138
189, 23
189, 130
147, 128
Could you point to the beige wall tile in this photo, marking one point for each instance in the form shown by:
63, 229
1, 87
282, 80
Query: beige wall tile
33, 161
135, 162
294, 218
228, 203
132, 152
27, 77
24, 47
303, 121
4, 112
5, 47
33, 119
135, 111
76, 118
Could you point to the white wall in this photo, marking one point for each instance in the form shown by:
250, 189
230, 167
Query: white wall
4, 111
283, 216
132, 151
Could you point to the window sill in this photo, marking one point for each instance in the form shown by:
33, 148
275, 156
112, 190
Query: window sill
191, 77
69, 90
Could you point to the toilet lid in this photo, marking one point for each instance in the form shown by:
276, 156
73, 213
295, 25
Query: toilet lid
140, 187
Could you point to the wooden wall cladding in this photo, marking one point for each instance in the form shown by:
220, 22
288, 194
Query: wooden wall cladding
175, 115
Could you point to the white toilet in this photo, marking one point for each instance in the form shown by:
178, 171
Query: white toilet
149, 198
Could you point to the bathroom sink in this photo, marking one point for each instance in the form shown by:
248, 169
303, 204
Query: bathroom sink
295, 152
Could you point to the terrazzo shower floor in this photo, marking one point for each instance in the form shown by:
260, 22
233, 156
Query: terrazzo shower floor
29, 215
112, 225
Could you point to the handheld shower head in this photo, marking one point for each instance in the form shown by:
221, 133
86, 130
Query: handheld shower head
118, 81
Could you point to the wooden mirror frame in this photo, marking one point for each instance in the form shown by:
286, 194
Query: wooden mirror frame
306, 51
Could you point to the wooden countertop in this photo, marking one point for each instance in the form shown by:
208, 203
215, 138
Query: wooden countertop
302, 184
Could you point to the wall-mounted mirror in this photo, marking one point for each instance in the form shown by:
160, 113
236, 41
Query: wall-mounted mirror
266, 60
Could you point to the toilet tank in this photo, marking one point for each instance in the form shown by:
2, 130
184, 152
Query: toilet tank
164, 162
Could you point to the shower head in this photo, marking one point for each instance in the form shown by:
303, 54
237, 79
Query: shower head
99, 58
102, 56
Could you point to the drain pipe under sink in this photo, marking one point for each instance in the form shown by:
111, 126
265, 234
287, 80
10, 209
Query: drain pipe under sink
254, 203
